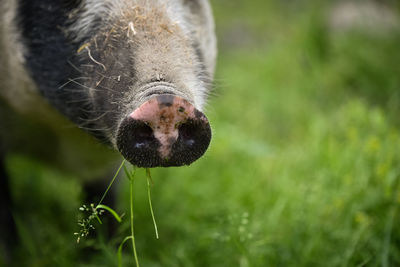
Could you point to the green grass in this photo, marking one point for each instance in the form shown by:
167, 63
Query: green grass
303, 168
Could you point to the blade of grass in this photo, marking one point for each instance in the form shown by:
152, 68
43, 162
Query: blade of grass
131, 208
128, 173
119, 253
112, 181
150, 204
110, 210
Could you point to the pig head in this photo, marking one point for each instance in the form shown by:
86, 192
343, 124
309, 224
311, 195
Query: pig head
135, 74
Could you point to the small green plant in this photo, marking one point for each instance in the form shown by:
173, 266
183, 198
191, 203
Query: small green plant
86, 224
96, 211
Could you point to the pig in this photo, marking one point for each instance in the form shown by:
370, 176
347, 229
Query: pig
85, 81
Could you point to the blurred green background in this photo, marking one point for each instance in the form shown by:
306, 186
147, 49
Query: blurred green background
304, 165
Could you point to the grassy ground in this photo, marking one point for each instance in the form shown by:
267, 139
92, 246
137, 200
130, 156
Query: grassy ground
303, 169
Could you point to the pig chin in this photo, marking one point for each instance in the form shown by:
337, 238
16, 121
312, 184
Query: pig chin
166, 130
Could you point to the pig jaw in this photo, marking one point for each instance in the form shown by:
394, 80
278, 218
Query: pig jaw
164, 131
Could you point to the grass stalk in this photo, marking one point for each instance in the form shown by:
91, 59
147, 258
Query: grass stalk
112, 181
150, 204
132, 228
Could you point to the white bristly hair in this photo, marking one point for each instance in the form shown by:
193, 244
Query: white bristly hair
91, 10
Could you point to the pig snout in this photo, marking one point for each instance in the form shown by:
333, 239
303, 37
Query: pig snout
164, 131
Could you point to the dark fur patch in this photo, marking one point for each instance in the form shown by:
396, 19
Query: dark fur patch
49, 50
52, 59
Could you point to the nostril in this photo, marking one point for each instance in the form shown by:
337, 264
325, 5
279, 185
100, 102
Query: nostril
188, 132
143, 135
137, 143
194, 135
194, 138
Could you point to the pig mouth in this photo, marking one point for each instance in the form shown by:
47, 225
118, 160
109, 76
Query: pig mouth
164, 131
